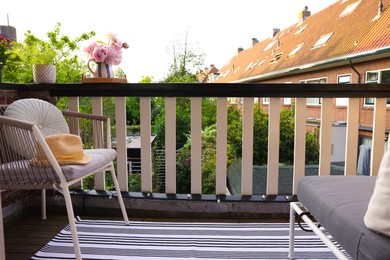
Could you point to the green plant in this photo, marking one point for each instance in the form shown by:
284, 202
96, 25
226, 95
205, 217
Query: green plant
35, 51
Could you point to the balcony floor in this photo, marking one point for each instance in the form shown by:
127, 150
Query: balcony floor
29, 234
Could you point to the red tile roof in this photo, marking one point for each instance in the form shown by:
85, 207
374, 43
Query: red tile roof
353, 33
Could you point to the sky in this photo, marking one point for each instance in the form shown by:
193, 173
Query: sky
215, 28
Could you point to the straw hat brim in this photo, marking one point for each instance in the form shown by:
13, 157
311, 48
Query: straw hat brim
86, 159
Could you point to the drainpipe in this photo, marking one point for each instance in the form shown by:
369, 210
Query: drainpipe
357, 72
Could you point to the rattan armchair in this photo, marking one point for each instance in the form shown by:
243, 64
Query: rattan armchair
22, 141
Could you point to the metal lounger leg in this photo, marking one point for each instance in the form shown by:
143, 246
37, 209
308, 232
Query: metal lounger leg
291, 233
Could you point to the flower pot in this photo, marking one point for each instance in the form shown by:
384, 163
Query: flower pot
44, 73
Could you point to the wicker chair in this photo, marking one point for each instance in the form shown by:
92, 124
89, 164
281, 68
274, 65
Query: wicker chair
23, 140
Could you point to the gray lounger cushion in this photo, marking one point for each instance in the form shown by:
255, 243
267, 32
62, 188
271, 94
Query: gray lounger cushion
339, 203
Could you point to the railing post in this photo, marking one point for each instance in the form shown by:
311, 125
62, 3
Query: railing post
325, 136
196, 145
121, 143
299, 142
273, 146
378, 134
146, 150
221, 171
247, 147
170, 145
351, 146
97, 109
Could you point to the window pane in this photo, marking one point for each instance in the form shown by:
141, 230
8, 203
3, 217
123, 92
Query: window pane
372, 77
369, 101
385, 76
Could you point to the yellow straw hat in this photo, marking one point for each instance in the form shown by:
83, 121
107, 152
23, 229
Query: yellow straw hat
66, 148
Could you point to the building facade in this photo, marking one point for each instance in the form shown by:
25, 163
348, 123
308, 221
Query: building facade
348, 42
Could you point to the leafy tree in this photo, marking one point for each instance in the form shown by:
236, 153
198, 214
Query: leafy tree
186, 61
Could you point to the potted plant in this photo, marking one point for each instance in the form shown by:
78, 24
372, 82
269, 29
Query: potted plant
41, 55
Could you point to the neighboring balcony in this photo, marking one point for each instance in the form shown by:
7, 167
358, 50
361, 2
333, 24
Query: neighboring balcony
222, 204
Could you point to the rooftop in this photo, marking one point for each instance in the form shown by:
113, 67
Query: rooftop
343, 31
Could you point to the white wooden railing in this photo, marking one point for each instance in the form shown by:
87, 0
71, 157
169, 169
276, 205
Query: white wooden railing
222, 92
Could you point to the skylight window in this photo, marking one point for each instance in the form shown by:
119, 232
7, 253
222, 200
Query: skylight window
261, 62
269, 46
254, 64
350, 8
322, 40
301, 29
296, 50
249, 66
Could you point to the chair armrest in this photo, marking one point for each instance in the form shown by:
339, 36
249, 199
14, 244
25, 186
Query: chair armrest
94, 130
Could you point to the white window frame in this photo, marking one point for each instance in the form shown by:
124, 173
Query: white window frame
322, 40
287, 101
343, 79
369, 102
350, 8
300, 29
269, 46
265, 100
296, 50
314, 101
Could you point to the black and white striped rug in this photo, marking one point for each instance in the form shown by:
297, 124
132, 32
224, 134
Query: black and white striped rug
183, 240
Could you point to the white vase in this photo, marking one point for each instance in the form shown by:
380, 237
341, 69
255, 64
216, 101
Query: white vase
44, 73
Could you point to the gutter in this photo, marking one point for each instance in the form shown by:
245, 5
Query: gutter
312, 66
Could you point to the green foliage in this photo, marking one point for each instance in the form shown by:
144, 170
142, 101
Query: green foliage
57, 49
135, 182
208, 163
312, 147
234, 133
260, 136
287, 127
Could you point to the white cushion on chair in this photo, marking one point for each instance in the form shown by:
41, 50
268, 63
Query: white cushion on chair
100, 159
377, 217
48, 118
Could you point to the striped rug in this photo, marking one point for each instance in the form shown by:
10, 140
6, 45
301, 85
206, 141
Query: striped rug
183, 240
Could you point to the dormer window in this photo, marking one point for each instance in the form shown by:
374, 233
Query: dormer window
276, 58
350, 8
296, 50
322, 40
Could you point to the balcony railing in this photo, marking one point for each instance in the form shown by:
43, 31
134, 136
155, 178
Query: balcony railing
221, 92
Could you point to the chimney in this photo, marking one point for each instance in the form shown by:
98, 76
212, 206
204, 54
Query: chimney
303, 15
254, 41
275, 31
239, 49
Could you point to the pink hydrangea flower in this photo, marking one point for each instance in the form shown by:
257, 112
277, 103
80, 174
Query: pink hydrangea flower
109, 54
99, 53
